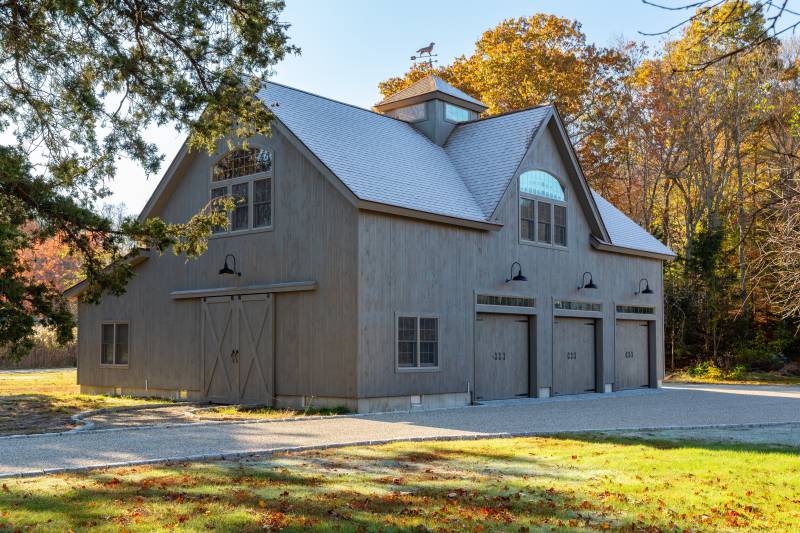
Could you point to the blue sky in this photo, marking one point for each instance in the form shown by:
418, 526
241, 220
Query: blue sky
348, 46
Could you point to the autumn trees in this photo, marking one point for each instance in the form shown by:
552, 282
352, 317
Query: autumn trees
705, 158
80, 82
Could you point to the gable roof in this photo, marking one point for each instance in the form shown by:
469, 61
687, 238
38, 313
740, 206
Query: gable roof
625, 233
385, 164
486, 152
430, 84
380, 159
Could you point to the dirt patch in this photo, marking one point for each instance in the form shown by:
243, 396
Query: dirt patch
145, 416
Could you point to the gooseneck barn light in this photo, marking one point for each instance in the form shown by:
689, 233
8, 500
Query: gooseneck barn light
228, 271
519, 276
646, 290
585, 285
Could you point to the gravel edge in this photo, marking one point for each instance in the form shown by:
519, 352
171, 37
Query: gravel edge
373, 442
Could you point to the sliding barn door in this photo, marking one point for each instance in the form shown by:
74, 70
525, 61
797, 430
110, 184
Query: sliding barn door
219, 349
255, 359
238, 348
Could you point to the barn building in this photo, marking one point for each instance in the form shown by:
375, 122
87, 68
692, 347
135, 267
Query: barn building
411, 256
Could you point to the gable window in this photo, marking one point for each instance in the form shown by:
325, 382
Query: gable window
417, 342
114, 343
453, 113
542, 209
247, 177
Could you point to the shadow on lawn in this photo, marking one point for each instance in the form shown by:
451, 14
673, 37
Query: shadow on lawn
244, 498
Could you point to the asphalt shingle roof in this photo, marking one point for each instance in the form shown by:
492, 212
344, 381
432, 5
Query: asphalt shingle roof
427, 85
625, 232
384, 160
378, 158
486, 152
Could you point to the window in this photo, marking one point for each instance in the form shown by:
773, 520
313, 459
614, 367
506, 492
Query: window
568, 305
417, 342
412, 113
114, 344
513, 301
246, 176
453, 113
542, 209
636, 309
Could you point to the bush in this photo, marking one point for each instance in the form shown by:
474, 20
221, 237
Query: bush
761, 354
710, 370
46, 353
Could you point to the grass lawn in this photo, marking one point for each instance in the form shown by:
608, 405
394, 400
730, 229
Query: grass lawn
39, 402
572, 483
238, 412
750, 378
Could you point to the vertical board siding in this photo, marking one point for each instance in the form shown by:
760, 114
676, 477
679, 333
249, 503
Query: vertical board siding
413, 266
313, 238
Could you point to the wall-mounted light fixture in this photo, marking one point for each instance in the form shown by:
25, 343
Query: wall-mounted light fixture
584, 284
228, 271
646, 290
519, 276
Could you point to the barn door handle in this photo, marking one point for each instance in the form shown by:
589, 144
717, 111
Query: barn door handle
235, 356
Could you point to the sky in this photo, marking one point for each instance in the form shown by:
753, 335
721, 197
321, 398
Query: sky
349, 46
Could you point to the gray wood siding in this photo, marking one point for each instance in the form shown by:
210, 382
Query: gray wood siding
314, 238
412, 266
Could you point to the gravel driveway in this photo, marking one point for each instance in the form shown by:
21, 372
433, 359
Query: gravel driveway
676, 406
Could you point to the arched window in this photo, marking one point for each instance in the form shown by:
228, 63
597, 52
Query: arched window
247, 176
542, 208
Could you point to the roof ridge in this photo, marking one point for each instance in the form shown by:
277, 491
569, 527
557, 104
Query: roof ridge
504, 114
331, 100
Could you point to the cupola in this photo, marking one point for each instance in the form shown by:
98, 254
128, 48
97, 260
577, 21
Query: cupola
433, 106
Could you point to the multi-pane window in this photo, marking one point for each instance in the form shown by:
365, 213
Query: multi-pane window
636, 309
570, 305
514, 301
417, 342
247, 177
453, 113
114, 344
542, 209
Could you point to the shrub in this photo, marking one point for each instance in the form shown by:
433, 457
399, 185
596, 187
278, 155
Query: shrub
710, 370
761, 354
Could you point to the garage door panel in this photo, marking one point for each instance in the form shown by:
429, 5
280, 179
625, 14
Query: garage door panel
574, 355
632, 354
501, 356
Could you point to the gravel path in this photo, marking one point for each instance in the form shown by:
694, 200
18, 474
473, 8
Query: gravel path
679, 406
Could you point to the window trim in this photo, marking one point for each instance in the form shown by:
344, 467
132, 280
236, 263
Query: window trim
249, 179
552, 202
115, 323
417, 368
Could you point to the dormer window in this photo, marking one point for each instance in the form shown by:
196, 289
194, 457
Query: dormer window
247, 176
453, 113
542, 209
412, 113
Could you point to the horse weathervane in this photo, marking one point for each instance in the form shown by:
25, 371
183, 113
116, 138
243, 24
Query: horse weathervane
425, 55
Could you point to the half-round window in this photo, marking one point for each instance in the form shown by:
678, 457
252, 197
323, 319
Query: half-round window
540, 183
542, 209
238, 163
